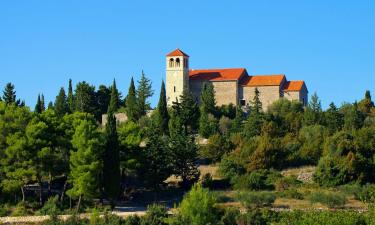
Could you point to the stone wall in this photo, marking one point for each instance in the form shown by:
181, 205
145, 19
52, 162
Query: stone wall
120, 118
301, 96
226, 92
267, 95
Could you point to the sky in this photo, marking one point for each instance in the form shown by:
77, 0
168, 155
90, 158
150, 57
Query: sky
328, 43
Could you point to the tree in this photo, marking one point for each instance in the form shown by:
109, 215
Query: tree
333, 118
208, 124
103, 96
111, 157
162, 110
144, 92
198, 207
61, 103
132, 110
208, 101
237, 121
85, 99
9, 95
256, 104
70, 99
366, 104
38, 105
184, 151
157, 159
188, 111
253, 125
353, 118
313, 112
85, 162
114, 98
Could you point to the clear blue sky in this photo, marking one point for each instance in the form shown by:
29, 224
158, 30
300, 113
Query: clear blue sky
329, 44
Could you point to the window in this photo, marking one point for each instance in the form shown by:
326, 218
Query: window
174, 88
177, 62
242, 102
171, 62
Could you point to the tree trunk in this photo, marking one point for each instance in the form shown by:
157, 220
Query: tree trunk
40, 193
63, 191
79, 203
23, 194
49, 184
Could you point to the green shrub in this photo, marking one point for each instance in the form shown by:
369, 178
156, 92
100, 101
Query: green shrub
20, 209
50, 207
133, 220
366, 193
155, 215
257, 217
4, 209
230, 216
206, 180
256, 180
291, 194
197, 208
256, 199
331, 200
285, 183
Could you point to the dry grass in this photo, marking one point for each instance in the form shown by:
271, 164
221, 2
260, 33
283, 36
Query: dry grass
294, 172
211, 169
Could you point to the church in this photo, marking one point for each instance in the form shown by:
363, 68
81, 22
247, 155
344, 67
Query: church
232, 85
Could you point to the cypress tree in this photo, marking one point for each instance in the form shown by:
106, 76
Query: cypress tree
9, 94
111, 158
38, 105
61, 103
43, 104
50, 105
162, 110
144, 91
131, 103
71, 103
115, 99
333, 118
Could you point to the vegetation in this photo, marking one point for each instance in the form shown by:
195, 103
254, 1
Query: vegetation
61, 158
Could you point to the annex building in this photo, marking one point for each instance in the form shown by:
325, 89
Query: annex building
231, 85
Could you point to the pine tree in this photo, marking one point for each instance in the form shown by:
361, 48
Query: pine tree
103, 96
313, 112
187, 110
366, 104
256, 104
132, 110
85, 98
184, 151
38, 105
333, 118
85, 162
111, 158
50, 105
70, 99
9, 94
237, 121
162, 110
144, 92
208, 101
61, 103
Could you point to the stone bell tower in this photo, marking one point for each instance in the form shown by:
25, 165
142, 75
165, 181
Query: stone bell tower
177, 75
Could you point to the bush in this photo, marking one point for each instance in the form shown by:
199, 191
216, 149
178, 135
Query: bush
257, 217
50, 207
331, 200
206, 180
230, 169
156, 215
217, 146
256, 180
285, 183
256, 199
20, 209
366, 193
197, 208
133, 220
291, 194
230, 216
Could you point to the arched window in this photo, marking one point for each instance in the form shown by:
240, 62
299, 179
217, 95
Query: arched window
177, 62
171, 62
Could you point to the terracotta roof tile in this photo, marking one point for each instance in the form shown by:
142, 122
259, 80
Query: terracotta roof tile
294, 85
263, 80
177, 52
218, 74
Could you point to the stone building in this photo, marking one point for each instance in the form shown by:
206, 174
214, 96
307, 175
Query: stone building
233, 85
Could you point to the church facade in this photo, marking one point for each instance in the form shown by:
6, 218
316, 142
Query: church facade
232, 85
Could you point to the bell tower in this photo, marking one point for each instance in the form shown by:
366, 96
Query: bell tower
177, 75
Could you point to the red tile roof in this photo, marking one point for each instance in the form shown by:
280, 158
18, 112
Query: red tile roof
218, 74
263, 80
294, 85
177, 52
